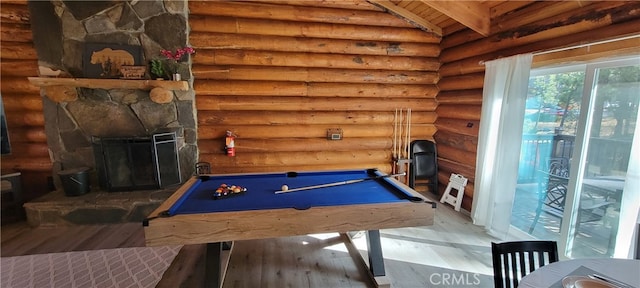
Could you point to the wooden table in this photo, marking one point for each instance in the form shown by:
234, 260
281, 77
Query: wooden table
551, 275
192, 215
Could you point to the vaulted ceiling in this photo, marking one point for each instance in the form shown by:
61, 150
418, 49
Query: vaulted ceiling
446, 17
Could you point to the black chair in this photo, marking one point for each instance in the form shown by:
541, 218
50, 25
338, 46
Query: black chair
424, 164
514, 260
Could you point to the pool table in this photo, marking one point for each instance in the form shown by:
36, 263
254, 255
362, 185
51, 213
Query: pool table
192, 215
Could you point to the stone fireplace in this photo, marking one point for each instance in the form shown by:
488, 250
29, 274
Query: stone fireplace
61, 30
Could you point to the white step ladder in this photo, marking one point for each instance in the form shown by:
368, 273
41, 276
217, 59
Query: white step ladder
458, 182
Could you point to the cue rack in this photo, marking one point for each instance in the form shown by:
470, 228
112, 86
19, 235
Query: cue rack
401, 143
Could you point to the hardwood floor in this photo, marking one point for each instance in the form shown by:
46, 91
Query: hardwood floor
19, 239
451, 250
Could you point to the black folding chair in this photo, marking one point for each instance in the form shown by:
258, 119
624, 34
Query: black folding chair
424, 164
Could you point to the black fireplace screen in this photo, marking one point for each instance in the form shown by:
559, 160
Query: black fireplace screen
137, 163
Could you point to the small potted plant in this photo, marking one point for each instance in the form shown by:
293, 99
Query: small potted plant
157, 69
169, 68
172, 63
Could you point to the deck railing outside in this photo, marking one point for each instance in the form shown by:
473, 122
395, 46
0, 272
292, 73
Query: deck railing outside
536, 149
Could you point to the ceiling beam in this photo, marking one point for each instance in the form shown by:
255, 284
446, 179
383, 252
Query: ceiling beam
407, 15
472, 14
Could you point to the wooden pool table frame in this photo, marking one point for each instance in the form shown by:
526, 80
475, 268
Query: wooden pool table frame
218, 227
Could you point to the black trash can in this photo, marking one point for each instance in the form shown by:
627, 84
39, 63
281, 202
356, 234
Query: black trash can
75, 181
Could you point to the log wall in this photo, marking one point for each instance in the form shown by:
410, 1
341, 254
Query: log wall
279, 74
22, 101
564, 24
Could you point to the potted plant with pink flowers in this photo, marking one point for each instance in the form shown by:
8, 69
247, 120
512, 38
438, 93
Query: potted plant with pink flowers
169, 67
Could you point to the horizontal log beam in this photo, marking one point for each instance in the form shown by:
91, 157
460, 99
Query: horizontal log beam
27, 135
22, 51
464, 112
566, 24
11, 68
16, 2
384, 167
296, 117
474, 15
457, 141
463, 157
30, 150
522, 17
25, 119
340, 4
26, 164
418, 131
306, 29
22, 102
14, 13
449, 166
270, 73
280, 88
465, 66
408, 15
296, 59
15, 32
212, 40
299, 145
295, 13
463, 82
297, 158
586, 53
273, 103
458, 126
474, 64
371, 90
17, 85
472, 96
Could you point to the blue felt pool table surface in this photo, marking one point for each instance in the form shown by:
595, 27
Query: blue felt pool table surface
261, 190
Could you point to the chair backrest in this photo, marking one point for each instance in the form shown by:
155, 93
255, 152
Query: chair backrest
424, 163
514, 260
558, 166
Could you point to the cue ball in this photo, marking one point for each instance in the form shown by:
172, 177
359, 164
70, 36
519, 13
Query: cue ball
285, 187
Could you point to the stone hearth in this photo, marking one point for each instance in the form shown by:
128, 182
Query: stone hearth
57, 209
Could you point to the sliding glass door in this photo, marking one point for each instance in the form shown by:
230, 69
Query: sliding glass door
580, 124
605, 140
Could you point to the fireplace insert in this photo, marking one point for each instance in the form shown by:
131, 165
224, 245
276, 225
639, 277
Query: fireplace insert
137, 163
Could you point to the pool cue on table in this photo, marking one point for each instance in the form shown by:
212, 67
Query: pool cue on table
338, 183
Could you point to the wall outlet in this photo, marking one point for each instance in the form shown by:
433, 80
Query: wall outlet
334, 134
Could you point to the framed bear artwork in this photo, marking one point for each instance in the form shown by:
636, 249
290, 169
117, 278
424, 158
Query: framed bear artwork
101, 60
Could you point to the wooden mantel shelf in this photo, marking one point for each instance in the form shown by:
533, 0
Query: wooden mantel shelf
110, 83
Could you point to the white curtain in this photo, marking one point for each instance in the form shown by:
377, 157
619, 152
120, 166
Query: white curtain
500, 137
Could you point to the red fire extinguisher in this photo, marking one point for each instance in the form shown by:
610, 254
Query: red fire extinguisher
230, 144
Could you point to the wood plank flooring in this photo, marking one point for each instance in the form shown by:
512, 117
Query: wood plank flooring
414, 257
